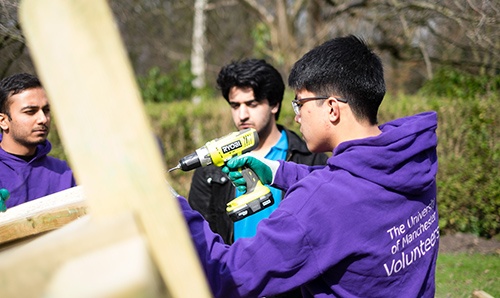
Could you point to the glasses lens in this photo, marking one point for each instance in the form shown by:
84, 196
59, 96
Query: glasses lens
295, 107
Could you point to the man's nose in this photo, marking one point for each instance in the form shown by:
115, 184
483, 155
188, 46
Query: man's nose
297, 118
42, 117
243, 112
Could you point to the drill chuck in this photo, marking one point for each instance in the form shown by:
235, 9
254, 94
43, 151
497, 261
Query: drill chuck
190, 162
200, 158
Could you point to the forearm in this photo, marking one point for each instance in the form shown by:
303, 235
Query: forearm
289, 173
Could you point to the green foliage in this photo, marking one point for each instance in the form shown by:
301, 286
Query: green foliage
262, 37
160, 87
57, 150
470, 179
183, 127
458, 275
468, 156
263, 49
287, 115
468, 148
453, 83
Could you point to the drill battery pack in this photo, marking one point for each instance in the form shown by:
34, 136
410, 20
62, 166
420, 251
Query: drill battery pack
246, 205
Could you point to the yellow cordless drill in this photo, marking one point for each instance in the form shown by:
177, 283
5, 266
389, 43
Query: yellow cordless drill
218, 152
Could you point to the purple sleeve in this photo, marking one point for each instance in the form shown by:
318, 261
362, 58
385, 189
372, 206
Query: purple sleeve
289, 173
272, 262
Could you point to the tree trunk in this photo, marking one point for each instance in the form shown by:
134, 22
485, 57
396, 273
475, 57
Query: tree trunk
199, 41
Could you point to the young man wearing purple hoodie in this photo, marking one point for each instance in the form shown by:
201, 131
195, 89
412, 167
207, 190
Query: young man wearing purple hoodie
25, 169
364, 225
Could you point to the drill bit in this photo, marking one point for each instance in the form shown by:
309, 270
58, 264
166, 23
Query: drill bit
175, 168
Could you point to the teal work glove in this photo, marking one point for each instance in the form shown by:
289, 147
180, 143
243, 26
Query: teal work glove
264, 168
4, 196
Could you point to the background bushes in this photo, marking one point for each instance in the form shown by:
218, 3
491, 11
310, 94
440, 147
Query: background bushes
161, 87
468, 157
468, 178
468, 142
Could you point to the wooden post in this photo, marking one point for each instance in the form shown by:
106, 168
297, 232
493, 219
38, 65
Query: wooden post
481, 294
30, 269
42, 215
84, 68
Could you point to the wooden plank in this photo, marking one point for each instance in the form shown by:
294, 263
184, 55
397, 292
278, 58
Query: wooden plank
27, 270
83, 65
42, 215
123, 270
481, 294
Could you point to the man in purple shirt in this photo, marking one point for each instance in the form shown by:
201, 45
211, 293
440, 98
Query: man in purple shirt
364, 225
25, 169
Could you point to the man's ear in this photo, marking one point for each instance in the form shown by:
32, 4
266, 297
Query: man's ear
333, 109
4, 121
275, 108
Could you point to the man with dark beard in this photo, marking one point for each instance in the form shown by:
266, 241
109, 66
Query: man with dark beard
25, 169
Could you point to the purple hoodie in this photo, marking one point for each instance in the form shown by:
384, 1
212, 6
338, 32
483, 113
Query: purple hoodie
365, 225
40, 177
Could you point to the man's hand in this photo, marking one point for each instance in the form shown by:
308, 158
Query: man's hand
264, 168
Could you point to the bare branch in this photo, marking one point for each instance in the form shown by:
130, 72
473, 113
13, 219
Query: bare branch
446, 12
212, 6
296, 8
260, 10
339, 9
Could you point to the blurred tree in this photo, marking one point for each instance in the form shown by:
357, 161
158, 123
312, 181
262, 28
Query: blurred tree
12, 43
288, 29
460, 33
423, 34
155, 32
199, 43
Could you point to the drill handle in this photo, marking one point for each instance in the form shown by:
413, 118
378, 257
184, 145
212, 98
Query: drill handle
256, 198
251, 179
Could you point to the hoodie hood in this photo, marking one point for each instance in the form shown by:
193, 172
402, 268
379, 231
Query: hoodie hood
402, 158
27, 181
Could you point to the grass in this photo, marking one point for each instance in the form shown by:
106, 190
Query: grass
458, 275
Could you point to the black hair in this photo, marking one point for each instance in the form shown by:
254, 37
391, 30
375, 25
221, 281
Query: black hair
344, 67
15, 84
265, 81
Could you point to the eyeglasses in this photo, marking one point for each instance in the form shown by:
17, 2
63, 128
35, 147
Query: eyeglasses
297, 103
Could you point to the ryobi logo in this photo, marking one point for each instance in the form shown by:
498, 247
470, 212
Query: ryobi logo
230, 147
